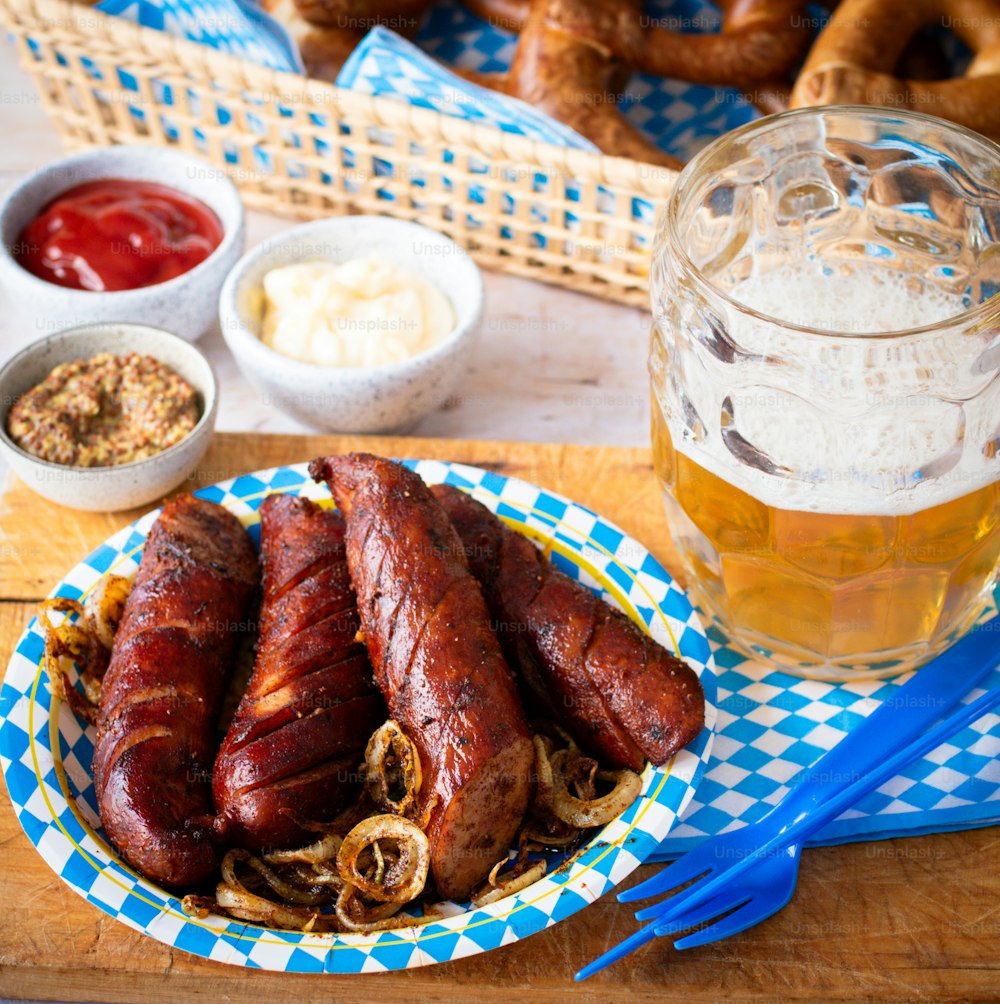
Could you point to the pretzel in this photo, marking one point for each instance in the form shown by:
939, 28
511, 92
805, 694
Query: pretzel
758, 46
760, 41
853, 59
563, 65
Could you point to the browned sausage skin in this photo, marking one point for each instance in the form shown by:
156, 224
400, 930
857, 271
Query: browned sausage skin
621, 695
300, 730
438, 664
162, 693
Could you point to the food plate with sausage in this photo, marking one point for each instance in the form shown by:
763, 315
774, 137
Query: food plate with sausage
47, 752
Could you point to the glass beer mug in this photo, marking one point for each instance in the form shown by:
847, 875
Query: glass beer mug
825, 367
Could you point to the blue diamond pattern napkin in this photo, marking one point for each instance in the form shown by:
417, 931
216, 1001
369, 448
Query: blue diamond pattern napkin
238, 27
772, 726
386, 64
679, 117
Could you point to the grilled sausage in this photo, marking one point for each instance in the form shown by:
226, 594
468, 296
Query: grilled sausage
162, 693
300, 730
438, 664
620, 695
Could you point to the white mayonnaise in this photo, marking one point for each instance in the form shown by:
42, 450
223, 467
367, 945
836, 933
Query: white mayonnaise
362, 313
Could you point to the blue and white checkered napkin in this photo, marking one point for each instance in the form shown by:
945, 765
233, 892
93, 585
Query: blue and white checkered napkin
772, 726
238, 27
387, 65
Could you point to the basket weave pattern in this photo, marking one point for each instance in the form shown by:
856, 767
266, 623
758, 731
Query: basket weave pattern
306, 149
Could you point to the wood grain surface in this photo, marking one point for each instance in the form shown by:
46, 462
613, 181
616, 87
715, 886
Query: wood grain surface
913, 919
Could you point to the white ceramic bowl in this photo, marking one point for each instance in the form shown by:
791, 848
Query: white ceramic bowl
186, 304
125, 486
333, 399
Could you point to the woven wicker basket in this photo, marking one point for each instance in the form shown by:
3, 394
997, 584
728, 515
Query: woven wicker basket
303, 148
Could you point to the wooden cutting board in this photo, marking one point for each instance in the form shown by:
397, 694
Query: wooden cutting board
899, 920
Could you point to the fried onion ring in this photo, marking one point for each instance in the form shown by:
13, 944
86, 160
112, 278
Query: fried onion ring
287, 890
397, 881
592, 811
391, 760
105, 605
239, 903
319, 852
356, 915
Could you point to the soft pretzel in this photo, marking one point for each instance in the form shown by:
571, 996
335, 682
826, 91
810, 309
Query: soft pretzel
854, 58
759, 45
563, 65
760, 41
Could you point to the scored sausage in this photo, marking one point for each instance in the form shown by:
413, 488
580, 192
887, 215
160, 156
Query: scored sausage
161, 695
300, 730
438, 664
620, 695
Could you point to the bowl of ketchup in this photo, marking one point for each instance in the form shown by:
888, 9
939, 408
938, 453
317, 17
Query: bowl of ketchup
121, 233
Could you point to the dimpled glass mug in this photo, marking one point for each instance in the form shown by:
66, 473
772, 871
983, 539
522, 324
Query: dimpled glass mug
825, 367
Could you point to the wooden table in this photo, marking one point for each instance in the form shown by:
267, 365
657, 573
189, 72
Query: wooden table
897, 920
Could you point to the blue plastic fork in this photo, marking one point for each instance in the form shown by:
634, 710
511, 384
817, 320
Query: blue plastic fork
770, 848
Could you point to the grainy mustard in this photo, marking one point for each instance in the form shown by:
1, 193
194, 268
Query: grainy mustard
104, 411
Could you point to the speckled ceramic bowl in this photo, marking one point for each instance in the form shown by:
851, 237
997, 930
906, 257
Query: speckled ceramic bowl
333, 399
107, 489
186, 304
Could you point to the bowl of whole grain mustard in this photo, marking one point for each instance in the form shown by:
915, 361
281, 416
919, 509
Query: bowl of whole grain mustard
107, 416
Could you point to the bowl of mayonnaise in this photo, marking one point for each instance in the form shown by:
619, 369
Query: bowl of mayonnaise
353, 324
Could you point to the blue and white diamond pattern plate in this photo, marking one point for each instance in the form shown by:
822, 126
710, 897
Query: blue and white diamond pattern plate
46, 753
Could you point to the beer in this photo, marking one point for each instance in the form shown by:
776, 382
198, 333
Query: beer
808, 522
825, 370
829, 594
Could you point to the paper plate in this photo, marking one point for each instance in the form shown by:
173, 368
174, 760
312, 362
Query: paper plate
46, 753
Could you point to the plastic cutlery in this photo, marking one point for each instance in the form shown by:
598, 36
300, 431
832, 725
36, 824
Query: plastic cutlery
769, 849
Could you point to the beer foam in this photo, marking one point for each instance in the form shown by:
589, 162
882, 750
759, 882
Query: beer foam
853, 303
880, 426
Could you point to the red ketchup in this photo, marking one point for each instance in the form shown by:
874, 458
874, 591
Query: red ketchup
115, 234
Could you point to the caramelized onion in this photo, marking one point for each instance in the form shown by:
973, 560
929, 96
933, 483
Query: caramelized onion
553, 840
322, 850
198, 906
503, 888
392, 760
404, 878
77, 644
239, 903
287, 890
593, 811
354, 914
105, 606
